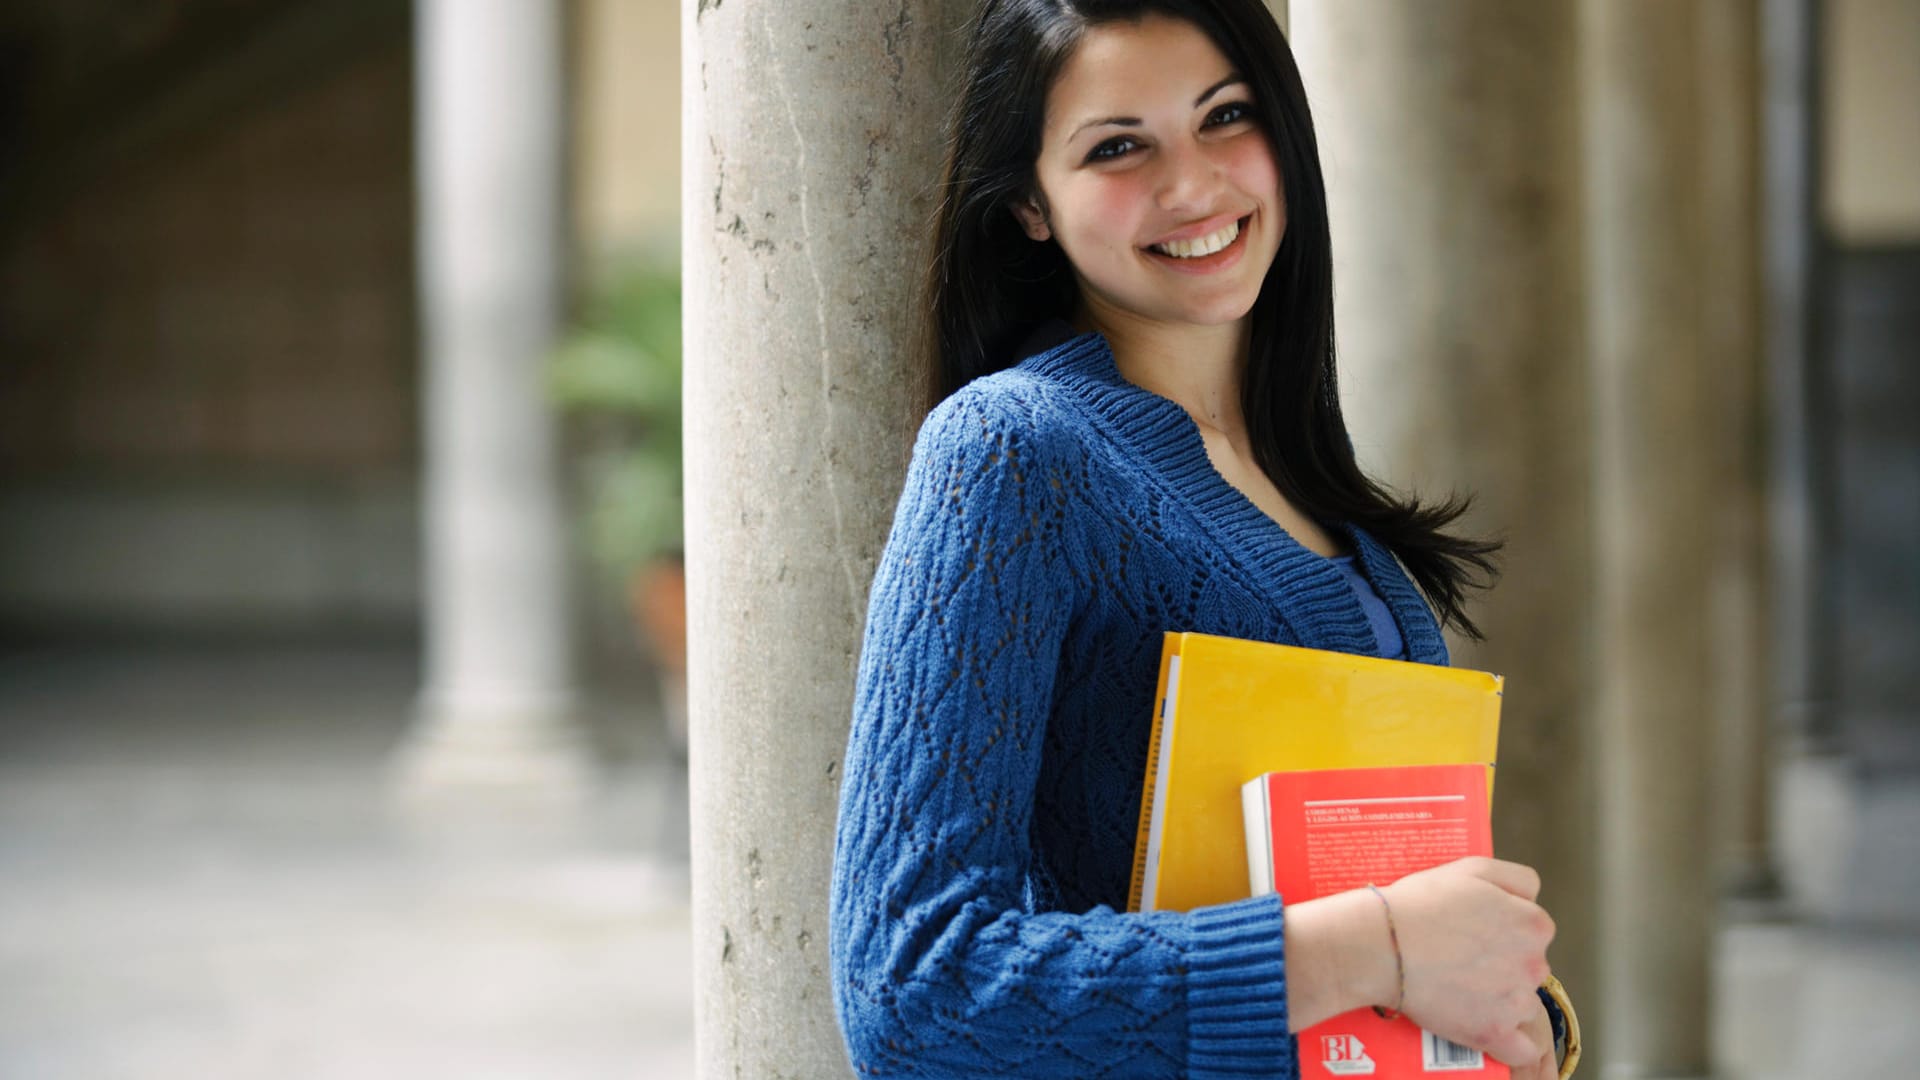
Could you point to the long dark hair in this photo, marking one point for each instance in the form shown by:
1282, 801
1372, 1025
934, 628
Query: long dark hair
989, 286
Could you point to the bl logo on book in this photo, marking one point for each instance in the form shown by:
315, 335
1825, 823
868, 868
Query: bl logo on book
1345, 1055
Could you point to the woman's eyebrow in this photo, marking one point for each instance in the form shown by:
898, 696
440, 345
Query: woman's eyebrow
1118, 121
1232, 77
1134, 121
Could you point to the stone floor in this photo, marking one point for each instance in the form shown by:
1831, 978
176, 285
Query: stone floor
1827, 984
201, 874
204, 877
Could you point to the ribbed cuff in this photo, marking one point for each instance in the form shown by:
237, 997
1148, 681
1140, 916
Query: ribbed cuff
1237, 992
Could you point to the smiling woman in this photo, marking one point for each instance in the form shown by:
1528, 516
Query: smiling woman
1133, 427
1153, 164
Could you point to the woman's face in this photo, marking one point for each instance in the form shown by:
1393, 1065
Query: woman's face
1156, 178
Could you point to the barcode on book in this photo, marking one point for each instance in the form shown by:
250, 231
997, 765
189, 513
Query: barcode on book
1439, 1055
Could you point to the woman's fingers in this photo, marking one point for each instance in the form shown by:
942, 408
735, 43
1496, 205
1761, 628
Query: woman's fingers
1538, 1030
1513, 1048
1544, 1069
1516, 878
1523, 1048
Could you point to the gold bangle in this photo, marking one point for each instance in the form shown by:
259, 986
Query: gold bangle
1559, 994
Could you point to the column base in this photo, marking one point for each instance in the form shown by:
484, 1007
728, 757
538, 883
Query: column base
475, 750
1749, 878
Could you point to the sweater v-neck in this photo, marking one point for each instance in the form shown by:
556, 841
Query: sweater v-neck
1290, 576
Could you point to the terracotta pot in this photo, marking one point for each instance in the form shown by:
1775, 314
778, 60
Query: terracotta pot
657, 596
657, 593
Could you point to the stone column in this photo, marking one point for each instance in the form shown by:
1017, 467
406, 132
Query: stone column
496, 708
811, 144
1450, 136
1654, 517
1730, 91
1800, 472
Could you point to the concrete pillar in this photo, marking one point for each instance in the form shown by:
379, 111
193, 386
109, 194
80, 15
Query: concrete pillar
496, 708
1730, 92
1450, 136
811, 146
1654, 517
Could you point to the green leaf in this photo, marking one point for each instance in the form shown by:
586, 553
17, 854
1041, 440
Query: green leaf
620, 366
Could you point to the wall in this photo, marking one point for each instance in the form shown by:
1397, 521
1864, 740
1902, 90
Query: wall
1871, 152
627, 150
208, 361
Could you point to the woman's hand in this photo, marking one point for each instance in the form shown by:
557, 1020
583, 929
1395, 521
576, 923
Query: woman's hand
1474, 946
1541, 1028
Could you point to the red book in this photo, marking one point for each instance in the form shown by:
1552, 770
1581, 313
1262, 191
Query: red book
1311, 834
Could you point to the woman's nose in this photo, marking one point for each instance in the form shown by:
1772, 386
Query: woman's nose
1190, 178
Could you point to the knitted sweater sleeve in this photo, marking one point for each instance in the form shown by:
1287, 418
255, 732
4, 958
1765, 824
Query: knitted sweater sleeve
943, 963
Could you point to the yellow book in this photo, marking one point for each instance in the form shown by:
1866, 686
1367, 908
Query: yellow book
1229, 710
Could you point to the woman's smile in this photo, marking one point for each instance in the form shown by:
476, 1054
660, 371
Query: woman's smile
1192, 252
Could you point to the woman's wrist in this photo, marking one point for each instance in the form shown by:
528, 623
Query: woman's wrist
1339, 957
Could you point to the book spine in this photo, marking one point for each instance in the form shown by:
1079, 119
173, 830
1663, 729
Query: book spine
1143, 836
1255, 807
1142, 841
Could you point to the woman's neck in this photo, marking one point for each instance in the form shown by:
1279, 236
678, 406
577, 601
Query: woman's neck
1196, 367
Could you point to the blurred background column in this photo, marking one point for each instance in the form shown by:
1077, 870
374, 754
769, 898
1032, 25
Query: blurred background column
1803, 505
1730, 94
1450, 136
1655, 524
810, 152
497, 707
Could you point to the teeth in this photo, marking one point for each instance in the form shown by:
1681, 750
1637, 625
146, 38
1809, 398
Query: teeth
1204, 245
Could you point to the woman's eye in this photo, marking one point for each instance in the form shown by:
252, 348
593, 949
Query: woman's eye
1231, 112
1111, 149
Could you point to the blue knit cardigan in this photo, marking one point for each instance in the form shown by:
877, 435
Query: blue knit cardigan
1056, 519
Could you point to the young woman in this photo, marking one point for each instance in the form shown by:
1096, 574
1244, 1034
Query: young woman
1133, 428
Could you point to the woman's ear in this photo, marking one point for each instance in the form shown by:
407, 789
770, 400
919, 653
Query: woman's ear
1033, 219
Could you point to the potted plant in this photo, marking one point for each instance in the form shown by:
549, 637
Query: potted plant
617, 374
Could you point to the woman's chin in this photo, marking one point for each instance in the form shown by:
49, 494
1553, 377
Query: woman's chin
1219, 311
1188, 307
